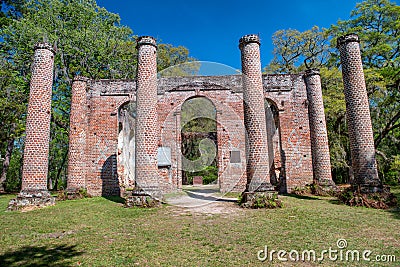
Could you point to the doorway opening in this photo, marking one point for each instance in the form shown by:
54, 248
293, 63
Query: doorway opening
273, 141
199, 142
126, 145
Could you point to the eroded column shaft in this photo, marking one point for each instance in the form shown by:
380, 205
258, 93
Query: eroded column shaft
77, 136
318, 133
254, 115
358, 116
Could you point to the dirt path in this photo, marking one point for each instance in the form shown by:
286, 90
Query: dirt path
204, 199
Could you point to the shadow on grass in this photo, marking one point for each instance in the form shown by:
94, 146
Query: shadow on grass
196, 195
395, 212
116, 199
302, 197
35, 256
336, 202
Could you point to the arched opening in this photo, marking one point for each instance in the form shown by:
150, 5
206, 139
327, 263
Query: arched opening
273, 141
126, 145
199, 142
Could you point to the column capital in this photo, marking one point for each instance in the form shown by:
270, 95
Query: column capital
311, 72
249, 38
79, 78
146, 40
348, 38
44, 46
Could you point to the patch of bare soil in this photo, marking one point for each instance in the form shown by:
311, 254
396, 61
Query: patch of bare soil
203, 200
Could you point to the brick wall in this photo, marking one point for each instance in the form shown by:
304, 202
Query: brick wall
230, 129
288, 93
102, 137
160, 126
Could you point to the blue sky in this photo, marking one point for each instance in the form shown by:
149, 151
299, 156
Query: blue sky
211, 29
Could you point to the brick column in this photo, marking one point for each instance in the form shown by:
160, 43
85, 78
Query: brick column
358, 116
146, 120
254, 116
77, 136
321, 161
35, 165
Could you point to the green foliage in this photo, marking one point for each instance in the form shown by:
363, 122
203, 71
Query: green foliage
175, 61
209, 174
379, 200
198, 124
65, 195
261, 201
294, 50
377, 23
89, 40
14, 174
392, 176
198, 115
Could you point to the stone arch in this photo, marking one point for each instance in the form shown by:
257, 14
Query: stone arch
230, 135
126, 144
273, 139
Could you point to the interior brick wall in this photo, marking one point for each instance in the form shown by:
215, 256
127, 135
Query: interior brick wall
287, 92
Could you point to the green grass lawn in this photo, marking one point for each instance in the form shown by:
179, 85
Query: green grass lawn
100, 232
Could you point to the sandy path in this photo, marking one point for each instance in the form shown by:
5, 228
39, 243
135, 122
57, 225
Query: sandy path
203, 199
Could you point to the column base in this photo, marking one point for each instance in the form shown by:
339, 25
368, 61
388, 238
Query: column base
258, 200
31, 199
73, 193
142, 199
369, 187
370, 197
324, 188
260, 187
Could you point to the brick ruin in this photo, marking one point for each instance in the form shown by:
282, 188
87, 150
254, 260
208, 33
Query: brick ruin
126, 134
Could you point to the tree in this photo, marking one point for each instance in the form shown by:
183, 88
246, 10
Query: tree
377, 24
294, 50
89, 40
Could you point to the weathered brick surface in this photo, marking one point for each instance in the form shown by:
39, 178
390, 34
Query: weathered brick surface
102, 137
147, 132
277, 138
77, 135
230, 127
288, 93
36, 152
126, 144
358, 116
291, 157
318, 132
254, 115
35, 165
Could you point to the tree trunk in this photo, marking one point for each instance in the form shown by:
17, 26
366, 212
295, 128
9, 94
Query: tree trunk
6, 163
60, 170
